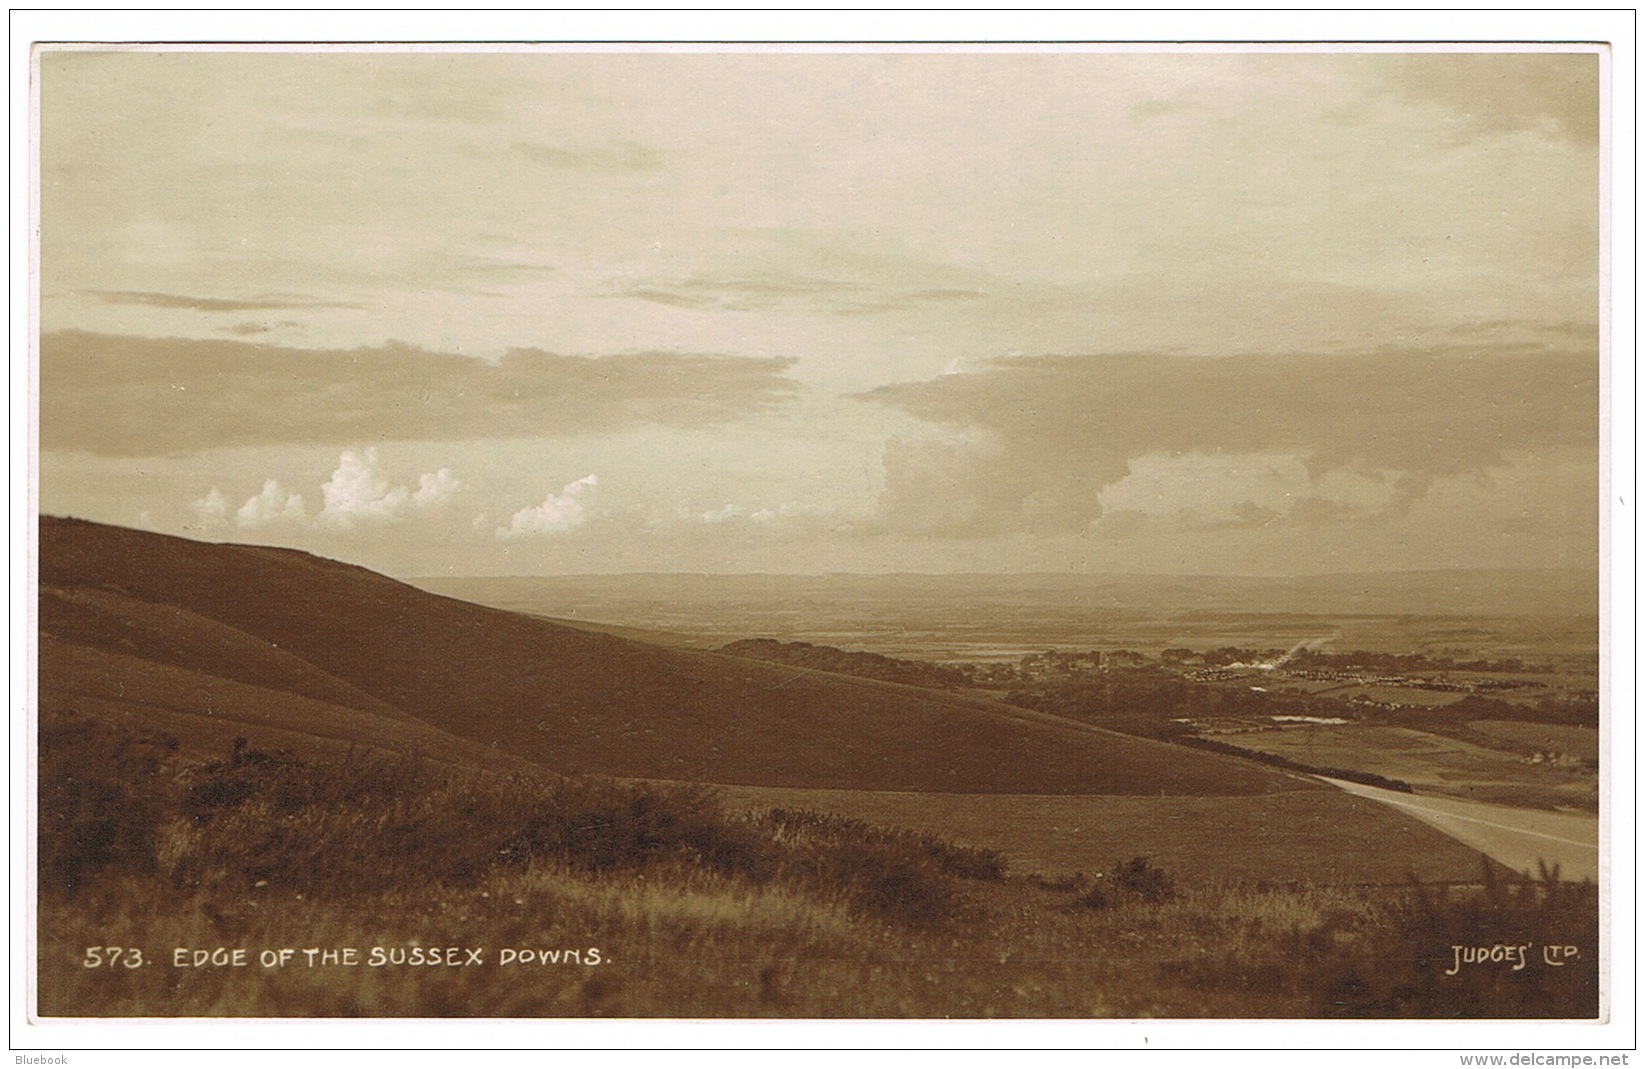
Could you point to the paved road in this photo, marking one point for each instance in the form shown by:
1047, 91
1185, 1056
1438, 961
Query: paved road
1519, 838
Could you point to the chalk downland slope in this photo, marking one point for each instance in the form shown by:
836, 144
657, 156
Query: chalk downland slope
203, 639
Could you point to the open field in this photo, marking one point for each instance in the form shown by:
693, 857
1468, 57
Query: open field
1430, 763
1559, 740
1299, 837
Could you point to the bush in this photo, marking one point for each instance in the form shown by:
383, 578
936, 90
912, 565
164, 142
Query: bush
1141, 880
890, 873
1135, 880
278, 778
602, 825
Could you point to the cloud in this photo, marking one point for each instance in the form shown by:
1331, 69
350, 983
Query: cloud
117, 395
435, 489
558, 513
213, 508
825, 296
765, 516
274, 504
211, 304
822, 272
1487, 93
356, 494
1033, 442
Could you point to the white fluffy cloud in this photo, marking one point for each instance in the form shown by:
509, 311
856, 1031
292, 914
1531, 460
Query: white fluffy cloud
357, 493
786, 511
213, 508
273, 505
558, 512
435, 488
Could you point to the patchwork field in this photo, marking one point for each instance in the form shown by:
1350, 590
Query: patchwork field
1432, 763
1553, 741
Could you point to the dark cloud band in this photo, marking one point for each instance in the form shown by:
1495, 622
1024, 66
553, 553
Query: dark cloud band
118, 395
1050, 432
210, 304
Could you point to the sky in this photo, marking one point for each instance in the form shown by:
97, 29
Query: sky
534, 312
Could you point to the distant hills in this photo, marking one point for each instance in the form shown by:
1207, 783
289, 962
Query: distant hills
209, 641
1455, 592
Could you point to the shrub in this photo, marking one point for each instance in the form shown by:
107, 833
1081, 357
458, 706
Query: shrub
603, 825
1135, 880
278, 778
1142, 880
890, 873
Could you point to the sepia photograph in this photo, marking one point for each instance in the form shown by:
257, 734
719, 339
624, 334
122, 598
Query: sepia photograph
998, 532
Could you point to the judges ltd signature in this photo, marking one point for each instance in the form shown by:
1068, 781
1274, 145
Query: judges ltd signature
1513, 955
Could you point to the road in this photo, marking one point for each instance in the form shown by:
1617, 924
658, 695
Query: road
1518, 838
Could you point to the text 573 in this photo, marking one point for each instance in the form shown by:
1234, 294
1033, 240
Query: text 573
113, 958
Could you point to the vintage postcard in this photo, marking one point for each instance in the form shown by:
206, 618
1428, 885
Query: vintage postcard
1084, 533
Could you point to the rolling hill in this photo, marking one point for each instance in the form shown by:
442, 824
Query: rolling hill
206, 640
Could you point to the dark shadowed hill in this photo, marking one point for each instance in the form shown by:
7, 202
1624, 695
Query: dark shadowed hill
185, 634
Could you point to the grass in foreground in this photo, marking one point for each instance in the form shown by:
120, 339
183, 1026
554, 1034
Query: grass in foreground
596, 898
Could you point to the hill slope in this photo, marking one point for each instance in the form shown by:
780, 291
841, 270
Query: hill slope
363, 657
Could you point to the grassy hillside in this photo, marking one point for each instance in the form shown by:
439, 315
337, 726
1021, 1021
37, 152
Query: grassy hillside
569, 700
206, 712
256, 884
